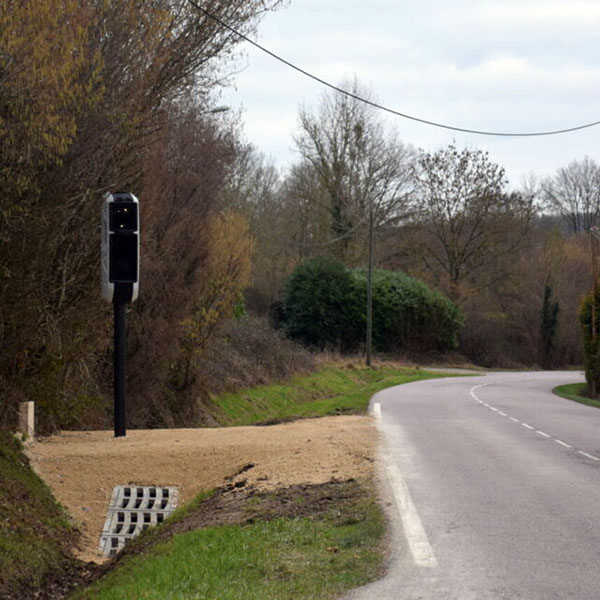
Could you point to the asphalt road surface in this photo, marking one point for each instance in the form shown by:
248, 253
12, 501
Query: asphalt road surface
495, 485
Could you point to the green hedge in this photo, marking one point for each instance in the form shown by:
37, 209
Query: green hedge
324, 306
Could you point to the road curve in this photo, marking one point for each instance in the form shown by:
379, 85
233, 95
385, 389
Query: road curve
496, 484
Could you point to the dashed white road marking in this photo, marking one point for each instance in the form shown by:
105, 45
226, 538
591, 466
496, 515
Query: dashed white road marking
588, 455
527, 426
473, 394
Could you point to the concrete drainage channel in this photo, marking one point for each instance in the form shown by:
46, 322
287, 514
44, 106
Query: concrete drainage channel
132, 509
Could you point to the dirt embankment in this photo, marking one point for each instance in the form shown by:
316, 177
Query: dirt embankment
83, 467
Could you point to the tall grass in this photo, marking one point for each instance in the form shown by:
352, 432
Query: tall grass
332, 390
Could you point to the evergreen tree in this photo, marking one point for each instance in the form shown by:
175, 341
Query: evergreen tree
589, 319
549, 321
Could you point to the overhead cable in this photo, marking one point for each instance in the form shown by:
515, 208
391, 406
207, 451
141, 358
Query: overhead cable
380, 106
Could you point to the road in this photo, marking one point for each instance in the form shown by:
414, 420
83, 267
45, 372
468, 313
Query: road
496, 486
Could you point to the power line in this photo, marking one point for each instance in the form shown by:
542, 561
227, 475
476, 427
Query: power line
333, 241
380, 106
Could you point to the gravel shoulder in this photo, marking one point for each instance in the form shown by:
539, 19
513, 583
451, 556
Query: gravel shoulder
82, 468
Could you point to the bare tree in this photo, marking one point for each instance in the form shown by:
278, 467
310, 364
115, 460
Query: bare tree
255, 189
359, 165
89, 94
467, 225
574, 193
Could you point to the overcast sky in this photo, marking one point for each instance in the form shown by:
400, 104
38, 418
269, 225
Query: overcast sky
492, 65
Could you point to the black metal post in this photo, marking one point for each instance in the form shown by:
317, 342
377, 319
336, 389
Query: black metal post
120, 366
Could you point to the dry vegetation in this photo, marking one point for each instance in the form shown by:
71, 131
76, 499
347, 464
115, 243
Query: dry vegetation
103, 96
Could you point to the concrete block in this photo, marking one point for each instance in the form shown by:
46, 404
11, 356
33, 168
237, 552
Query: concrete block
132, 509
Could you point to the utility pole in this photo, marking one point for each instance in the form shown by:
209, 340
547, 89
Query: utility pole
594, 238
369, 341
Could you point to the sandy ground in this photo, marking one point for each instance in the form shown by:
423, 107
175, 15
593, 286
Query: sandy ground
83, 467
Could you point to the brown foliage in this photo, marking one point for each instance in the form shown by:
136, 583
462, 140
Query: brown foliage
190, 261
503, 309
90, 93
467, 229
255, 190
226, 275
503, 324
44, 86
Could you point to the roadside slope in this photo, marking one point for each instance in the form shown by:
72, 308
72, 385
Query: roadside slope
82, 467
35, 532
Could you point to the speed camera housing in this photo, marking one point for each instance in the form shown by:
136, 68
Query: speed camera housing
120, 256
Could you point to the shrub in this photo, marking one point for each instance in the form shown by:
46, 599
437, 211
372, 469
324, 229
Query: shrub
321, 308
408, 315
324, 305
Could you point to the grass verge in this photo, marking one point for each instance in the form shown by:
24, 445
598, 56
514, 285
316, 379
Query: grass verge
576, 392
293, 543
332, 390
307, 542
35, 532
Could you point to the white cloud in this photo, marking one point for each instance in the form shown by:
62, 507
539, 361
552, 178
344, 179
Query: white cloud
504, 64
500, 65
542, 13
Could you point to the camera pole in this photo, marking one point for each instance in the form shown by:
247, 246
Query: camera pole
120, 365
119, 275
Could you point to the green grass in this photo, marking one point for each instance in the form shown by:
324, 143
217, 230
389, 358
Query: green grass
576, 392
330, 391
35, 531
283, 558
295, 558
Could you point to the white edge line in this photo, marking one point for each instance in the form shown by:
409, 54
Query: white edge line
413, 528
416, 537
527, 426
542, 433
